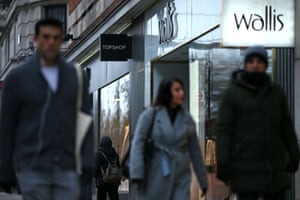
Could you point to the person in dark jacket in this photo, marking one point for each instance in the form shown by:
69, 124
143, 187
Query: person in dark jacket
106, 153
256, 141
38, 123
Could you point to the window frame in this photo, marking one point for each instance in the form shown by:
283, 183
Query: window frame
53, 7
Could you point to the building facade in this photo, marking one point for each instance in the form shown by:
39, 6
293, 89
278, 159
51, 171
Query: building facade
297, 89
168, 38
17, 20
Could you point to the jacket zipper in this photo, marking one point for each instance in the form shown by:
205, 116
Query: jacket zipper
42, 127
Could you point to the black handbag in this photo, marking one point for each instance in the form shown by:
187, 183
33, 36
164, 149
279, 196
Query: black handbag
148, 151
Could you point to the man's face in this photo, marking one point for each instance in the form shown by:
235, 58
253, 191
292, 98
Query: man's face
49, 41
255, 64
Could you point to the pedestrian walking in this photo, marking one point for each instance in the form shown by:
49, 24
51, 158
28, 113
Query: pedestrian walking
38, 123
167, 174
106, 157
256, 141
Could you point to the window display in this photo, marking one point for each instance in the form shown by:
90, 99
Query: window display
206, 68
210, 70
114, 117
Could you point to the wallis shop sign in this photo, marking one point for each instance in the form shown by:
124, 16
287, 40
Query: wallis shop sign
265, 22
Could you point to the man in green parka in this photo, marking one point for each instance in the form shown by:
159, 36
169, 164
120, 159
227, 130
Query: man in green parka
256, 140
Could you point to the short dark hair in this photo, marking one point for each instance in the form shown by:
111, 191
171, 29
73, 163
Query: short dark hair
48, 22
164, 95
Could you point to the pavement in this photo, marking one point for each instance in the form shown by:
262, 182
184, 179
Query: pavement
4, 196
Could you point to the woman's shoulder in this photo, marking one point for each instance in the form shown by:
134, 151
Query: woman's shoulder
149, 114
153, 108
150, 111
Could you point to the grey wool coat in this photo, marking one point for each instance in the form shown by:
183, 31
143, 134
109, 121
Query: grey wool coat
179, 143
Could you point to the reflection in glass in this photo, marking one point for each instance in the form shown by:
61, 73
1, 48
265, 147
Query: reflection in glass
210, 69
114, 119
193, 17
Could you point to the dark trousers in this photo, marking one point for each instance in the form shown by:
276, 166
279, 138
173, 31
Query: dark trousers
273, 196
110, 189
86, 191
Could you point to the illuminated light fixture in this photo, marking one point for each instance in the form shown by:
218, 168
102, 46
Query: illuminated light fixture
89, 56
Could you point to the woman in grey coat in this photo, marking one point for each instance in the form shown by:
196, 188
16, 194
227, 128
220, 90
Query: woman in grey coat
168, 175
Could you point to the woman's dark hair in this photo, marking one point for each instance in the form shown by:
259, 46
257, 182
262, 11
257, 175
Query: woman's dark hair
164, 95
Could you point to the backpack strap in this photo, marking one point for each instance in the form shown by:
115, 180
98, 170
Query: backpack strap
109, 162
105, 157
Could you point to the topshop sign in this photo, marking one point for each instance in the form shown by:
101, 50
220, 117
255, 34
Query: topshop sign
264, 22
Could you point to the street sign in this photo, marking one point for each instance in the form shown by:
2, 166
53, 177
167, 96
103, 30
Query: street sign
115, 47
258, 22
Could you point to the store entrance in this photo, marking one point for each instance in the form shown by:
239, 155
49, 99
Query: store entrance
175, 64
209, 74
205, 68
204, 84
170, 68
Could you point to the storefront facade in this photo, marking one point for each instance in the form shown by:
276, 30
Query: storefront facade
169, 38
297, 88
205, 66
196, 57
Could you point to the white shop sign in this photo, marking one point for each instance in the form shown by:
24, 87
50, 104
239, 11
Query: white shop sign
265, 22
168, 23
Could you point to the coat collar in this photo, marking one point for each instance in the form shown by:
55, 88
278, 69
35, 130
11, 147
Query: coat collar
237, 79
35, 64
35, 61
175, 130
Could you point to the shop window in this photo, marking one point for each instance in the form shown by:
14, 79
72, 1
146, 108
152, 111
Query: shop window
1, 57
114, 117
206, 69
210, 70
6, 51
57, 12
5, 3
